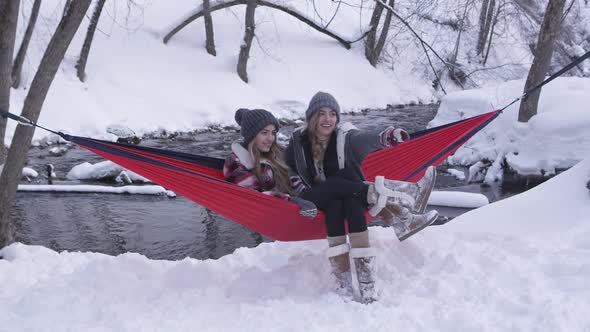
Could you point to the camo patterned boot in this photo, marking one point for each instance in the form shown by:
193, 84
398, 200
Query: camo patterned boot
364, 272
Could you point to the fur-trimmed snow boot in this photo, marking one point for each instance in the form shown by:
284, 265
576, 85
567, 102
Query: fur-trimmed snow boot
340, 262
364, 272
414, 196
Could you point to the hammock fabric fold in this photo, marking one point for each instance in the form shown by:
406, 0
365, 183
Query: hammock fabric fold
200, 178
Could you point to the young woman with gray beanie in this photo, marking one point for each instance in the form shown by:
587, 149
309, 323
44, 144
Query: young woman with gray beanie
327, 155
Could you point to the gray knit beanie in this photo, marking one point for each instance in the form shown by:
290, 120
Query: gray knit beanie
319, 100
253, 121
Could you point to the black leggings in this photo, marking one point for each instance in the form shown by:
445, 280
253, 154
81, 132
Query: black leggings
340, 199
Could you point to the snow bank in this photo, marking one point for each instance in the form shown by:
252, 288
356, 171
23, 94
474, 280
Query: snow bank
556, 138
511, 265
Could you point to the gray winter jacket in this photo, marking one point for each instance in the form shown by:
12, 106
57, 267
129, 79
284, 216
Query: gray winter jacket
352, 146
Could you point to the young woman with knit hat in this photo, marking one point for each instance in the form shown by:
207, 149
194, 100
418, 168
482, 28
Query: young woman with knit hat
257, 162
323, 152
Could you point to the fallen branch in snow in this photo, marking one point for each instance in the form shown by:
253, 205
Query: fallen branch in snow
133, 190
217, 5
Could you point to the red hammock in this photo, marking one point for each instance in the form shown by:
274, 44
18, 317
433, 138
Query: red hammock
200, 178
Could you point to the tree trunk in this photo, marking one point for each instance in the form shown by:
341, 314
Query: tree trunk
247, 43
383, 37
82, 60
372, 35
498, 10
457, 43
209, 36
542, 60
8, 20
66, 6
489, 19
23, 135
483, 14
24, 46
374, 46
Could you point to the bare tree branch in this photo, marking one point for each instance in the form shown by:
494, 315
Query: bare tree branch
438, 80
492, 68
294, 13
424, 44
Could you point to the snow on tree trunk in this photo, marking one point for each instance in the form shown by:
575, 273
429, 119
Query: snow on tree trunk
33, 103
8, 20
247, 43
81, 65
22, 51
209, 36
489, 19
483, 14
494, 22
542, 58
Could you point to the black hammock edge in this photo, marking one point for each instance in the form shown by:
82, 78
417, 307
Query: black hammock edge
211, 162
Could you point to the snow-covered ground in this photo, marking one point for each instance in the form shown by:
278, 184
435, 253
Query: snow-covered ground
520, 264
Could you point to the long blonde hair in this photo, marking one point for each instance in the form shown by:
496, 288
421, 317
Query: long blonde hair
318, 148
280, 170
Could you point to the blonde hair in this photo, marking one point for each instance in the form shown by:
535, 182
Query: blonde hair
280, 170
318, 149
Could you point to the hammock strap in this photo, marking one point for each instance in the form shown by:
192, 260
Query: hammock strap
560, 72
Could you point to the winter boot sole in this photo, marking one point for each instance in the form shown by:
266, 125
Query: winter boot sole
417, 229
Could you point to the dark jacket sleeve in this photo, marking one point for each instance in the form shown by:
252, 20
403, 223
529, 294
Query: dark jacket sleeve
289, 156
363, 143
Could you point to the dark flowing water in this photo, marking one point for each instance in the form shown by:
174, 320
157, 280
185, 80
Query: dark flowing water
158, 226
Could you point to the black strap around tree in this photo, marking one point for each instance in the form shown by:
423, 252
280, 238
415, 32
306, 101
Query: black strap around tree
24, 121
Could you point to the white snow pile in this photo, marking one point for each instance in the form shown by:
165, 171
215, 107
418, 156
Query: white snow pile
458, 199
26, 173
456, 173
516, 265
103, 170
